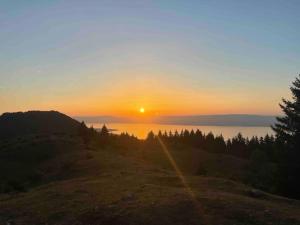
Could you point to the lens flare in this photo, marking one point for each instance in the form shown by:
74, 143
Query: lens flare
184, 182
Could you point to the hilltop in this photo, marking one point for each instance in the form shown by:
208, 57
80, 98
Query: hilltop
36, 122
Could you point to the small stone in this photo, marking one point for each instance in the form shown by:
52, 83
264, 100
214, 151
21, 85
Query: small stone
10, 222
255, 193
128, 197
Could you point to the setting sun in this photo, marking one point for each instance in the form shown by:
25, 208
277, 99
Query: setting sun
142, 110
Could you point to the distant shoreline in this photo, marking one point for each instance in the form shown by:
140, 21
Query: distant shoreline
171, 124
230, 120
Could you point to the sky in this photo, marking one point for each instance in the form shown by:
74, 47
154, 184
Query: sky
114, 57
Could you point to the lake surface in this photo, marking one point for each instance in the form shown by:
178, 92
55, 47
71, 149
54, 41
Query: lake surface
141, 130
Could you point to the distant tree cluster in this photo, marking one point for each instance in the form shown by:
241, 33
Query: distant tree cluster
103, 137
238, 146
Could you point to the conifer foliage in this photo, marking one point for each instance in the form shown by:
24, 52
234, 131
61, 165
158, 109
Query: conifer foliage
287, 131
288, 127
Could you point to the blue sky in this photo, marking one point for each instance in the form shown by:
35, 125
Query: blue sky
174, 57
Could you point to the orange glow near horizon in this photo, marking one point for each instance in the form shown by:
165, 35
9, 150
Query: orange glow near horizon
148, 96
160, 105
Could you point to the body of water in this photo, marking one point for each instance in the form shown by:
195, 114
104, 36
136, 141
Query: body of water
141, 130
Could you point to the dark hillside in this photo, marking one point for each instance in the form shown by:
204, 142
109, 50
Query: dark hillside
101, 178
34, 160
29, 141
36, 122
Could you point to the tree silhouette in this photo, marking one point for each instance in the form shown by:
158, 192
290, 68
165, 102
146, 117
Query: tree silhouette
84, 133
104, 131
288, 127
150, 136
287, 131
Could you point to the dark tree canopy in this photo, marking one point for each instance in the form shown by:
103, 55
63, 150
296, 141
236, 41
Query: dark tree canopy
288, 132
104, 131
288, 127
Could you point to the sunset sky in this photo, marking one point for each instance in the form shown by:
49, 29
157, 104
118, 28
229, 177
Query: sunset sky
110, 57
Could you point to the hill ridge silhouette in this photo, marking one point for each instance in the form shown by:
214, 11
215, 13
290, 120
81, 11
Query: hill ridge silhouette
15, 124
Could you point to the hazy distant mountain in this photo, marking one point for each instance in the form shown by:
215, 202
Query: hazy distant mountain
201, 120
219, 120
36, 122
104, 119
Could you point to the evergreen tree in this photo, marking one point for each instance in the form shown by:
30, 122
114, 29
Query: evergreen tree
199, 138
104, 131
84, 133
287, 131
198, 133
287, 128
82, 130
165, 135
176, 134
192, 134
159, 134
150, 136
220, 145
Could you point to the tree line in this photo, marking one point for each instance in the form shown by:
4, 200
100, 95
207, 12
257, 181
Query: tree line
238, 146
273, 160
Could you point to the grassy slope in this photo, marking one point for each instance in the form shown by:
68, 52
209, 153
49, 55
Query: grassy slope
108, 186
37, 159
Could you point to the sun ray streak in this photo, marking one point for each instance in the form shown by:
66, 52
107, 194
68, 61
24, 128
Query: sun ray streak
183, 180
